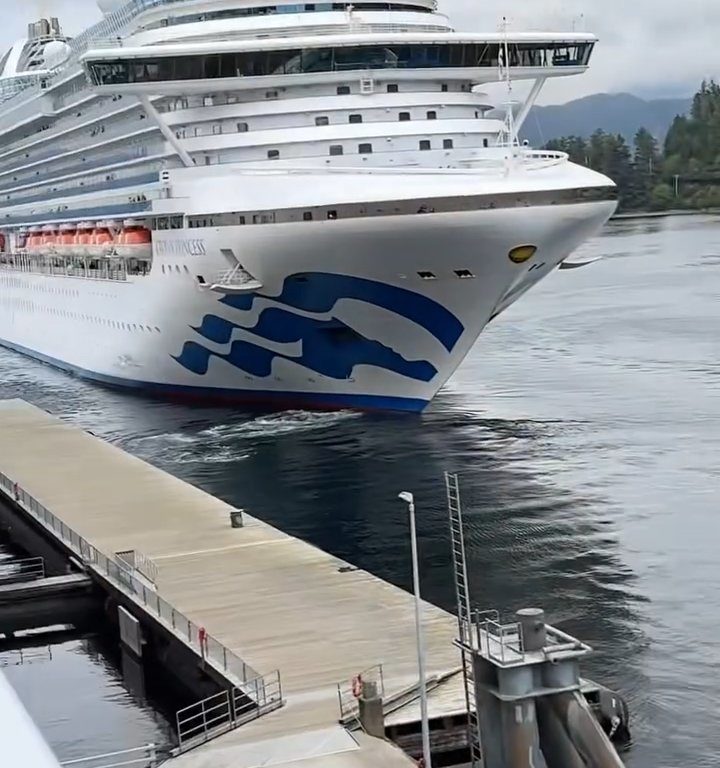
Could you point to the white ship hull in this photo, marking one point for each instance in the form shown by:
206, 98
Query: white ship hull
343, 318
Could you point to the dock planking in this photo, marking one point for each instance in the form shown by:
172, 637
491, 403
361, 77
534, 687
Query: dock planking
274, 600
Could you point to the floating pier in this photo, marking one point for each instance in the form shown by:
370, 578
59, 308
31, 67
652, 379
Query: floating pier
293, 653
281, 627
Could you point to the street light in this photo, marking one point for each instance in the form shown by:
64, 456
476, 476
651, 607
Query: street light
410, 500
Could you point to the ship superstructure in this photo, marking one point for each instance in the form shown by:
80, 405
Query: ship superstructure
295, 204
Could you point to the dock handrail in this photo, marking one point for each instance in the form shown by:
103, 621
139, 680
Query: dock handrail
23, 569
221, 712
141, 757
212, 651
348, 693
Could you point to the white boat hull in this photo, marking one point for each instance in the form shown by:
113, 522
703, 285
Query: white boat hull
343, 318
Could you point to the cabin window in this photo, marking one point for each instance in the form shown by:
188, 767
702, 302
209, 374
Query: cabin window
273, 154
307, 216
425, 144
365, 149
332, 214
242, 127
217, 130
403, 117
355, 119
336, 149
447, 143
443, 87
343, 90
432, 115
392, 87
486, 143
322, 120
271, 94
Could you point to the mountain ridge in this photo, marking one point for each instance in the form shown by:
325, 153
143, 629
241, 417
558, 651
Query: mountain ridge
614, 113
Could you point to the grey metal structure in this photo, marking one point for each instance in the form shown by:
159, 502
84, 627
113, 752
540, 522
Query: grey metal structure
526, 707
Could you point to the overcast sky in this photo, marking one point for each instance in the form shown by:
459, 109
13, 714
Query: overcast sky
649, 47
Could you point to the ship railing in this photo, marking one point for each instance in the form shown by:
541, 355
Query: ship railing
337, 28
498, 163
25, 262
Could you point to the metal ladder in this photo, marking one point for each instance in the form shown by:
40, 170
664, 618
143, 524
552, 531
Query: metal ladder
462, 594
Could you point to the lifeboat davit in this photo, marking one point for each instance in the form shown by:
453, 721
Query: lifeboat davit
20, 240
101, 240
83, 238
134, 241
34, 240
66, 240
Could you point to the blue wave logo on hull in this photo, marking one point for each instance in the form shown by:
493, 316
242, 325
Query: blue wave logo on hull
329, 347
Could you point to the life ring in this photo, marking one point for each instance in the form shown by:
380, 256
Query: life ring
357, 686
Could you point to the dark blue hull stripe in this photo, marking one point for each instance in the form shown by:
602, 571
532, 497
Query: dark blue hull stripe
280, 400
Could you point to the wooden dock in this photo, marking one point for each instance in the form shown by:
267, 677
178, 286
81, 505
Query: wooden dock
273, 600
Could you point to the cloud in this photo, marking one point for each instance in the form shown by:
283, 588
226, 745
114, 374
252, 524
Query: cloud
659, 47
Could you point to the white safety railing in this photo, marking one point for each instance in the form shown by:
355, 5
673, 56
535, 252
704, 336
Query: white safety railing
139, 562
214, 653
349, 693
226, 710
24, 569
139, 757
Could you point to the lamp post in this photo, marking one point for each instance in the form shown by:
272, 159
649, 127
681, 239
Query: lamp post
419, 639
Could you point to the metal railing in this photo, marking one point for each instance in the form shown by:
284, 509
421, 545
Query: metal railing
348, 693
25, 569
139, 562
144, 757
211, 650
501, 642
226, 710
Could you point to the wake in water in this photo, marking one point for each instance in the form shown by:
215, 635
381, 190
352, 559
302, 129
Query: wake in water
228, 442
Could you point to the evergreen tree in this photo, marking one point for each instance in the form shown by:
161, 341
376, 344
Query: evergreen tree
686, 173
647, 166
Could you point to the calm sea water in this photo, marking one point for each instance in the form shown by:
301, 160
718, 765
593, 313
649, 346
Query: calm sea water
585, 426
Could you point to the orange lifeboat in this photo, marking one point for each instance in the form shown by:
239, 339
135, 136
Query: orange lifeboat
101, 239
134, 241
48, 238
34, 240
66, 239
83, 238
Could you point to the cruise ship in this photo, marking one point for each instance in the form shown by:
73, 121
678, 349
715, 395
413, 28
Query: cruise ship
311, 205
